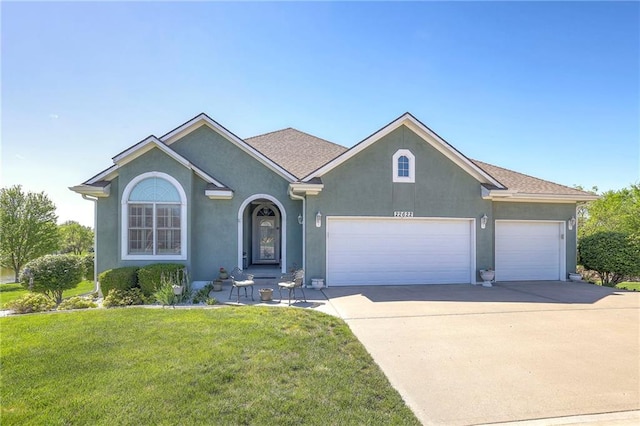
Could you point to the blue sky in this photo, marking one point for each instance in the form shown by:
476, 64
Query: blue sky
550, 89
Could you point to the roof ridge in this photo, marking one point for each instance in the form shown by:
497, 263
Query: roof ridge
299, 131
268, 133
529, 176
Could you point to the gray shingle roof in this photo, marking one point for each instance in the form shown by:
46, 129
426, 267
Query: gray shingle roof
524, 183
301, 153
297, 152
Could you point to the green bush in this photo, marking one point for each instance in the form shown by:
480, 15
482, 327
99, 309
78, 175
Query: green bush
116, 297
52, 274
31, 302
87, 262
76, 302
612, 255
149, 276
118, 278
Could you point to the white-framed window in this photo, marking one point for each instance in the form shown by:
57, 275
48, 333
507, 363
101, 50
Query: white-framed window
404, 167
154, 218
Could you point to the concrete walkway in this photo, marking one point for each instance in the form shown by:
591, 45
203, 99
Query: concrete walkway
544, 352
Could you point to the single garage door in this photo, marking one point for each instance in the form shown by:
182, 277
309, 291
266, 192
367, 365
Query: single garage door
388, 251
529, 251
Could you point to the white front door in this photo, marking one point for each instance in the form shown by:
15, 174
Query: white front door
530, 251
266, 234
393, 251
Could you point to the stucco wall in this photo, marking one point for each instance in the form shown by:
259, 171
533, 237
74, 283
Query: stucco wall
363, 186
212, 225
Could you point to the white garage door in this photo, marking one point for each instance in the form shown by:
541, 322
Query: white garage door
529, 251
386, 251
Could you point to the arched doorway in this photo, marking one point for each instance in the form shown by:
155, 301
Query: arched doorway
262, 232
265, 241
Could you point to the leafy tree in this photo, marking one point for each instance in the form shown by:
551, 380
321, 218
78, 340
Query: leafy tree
75, 238
613, 255
52, 274
617, 211
28, 227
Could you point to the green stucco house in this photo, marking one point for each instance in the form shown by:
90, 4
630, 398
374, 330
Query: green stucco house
403, 206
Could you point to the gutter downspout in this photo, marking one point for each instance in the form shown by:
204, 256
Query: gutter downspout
95, 239
304, 226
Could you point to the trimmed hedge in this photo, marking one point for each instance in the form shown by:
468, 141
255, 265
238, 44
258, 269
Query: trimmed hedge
119, 278
149, 276
612, 255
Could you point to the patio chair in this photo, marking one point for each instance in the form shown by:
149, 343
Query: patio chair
240, 279
291, 282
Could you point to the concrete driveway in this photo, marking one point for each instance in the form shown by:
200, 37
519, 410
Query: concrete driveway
460, 354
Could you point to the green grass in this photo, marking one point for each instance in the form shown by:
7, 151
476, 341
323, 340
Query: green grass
227, 366
10, 292
629, 285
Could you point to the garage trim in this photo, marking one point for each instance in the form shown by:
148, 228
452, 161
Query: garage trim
472, 237
562, 226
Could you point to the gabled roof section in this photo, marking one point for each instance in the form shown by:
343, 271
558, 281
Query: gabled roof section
282, 146
136, 151
204, 120
425, 133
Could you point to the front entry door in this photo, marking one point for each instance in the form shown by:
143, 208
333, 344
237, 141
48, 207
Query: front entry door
266, 234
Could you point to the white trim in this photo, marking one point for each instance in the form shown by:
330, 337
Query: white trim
94, 191
472, 242
307, 188
107, 174
522, 197
219, 194
283, 221
563, 237
426, 134
412, 166
203, 119
124, 214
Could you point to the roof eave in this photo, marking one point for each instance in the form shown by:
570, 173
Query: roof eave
219, 194
94, 191
306, 188
523, 197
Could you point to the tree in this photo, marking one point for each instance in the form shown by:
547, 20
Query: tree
52, 274
75, 238
617, 211
613, 255
28, 227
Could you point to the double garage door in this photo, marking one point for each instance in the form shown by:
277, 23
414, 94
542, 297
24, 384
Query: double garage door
399, 251
390, 251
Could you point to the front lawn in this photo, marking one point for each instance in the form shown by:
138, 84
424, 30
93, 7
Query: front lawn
10, 292
629, 285
232, 365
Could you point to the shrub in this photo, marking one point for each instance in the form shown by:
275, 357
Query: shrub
165, 294
87, 262
612, 255
52, 274
116, 297
76, 302
203, 294
118, 278
31, 302
149, 276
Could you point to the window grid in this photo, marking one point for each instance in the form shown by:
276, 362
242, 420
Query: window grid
403, 166
154, 228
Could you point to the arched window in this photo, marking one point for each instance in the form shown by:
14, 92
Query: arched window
154, 218
404, 166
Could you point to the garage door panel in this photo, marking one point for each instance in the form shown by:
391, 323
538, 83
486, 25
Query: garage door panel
391, 251
528, 251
